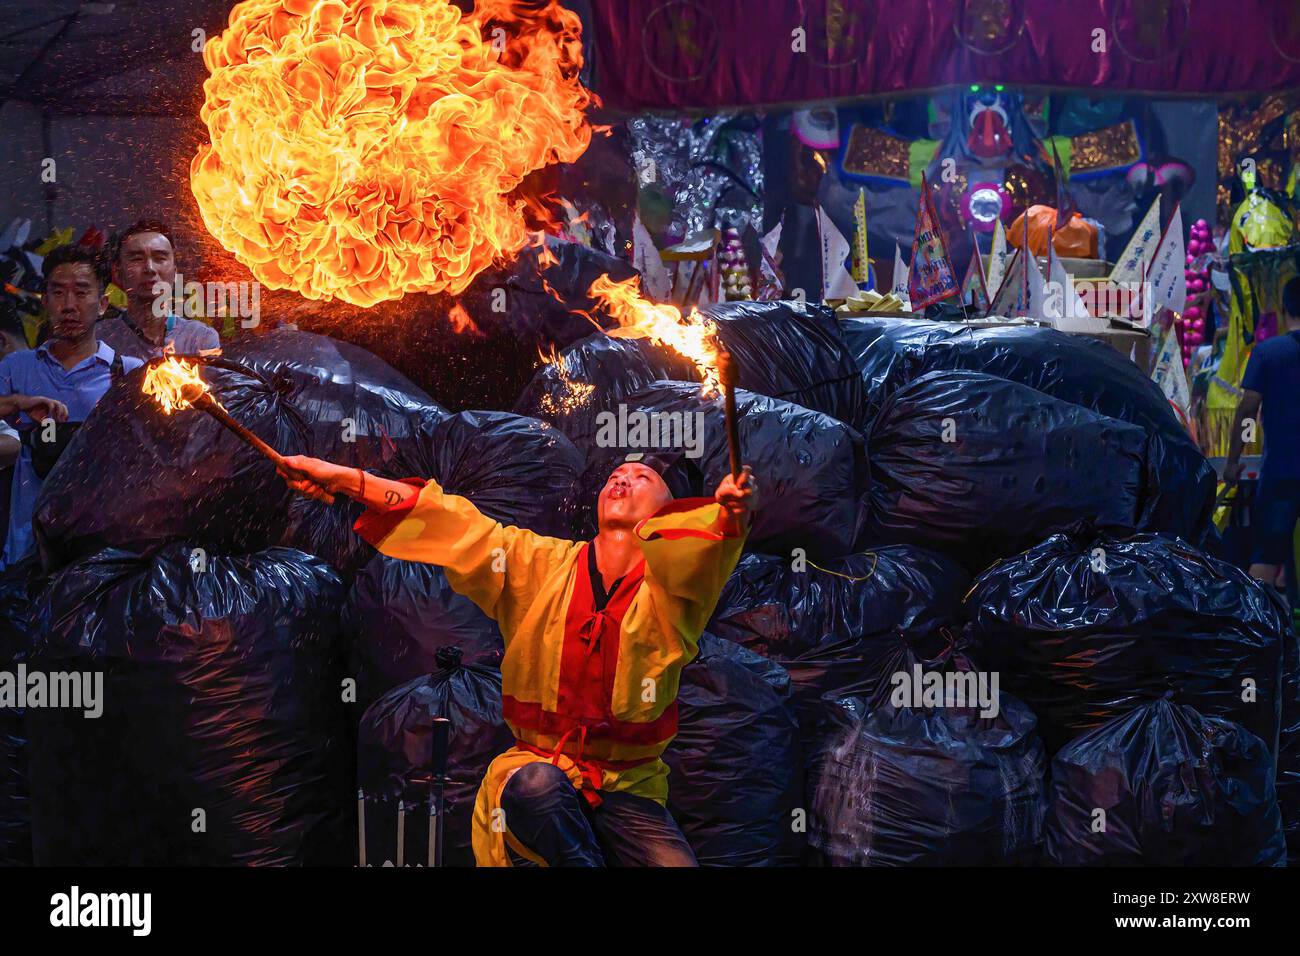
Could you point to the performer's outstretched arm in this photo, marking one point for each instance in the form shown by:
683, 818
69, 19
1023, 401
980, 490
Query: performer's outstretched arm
498, 567
323, 480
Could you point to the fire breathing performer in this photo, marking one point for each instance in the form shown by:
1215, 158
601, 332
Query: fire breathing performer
596, 634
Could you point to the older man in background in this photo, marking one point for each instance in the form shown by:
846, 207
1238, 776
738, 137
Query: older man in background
144, 266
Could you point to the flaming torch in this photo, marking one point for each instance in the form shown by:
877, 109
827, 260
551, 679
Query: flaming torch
175, 385
692, 336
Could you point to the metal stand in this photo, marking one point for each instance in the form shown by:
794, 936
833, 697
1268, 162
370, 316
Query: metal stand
361, 828
440, 741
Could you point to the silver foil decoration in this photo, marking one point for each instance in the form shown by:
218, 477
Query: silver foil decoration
711, 167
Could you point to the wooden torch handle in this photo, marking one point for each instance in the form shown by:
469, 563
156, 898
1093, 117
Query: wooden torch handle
729, 376
213, 408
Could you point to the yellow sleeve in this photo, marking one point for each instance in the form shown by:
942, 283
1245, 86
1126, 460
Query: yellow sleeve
687, 562
498, 567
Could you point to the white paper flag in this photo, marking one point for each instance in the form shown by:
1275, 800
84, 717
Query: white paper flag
1065, 308
837, 281
656, 280
770, 243
704, 284
1166, 279
1140, 249
901, 274
1009, 301
1169, 373
997, 266
1037, 288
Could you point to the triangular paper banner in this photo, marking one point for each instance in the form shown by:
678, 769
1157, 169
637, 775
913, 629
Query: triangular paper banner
837, 281
1169, 372
1140, 249
769, 276
997, 267
1010, 299
931, 278
1166, 277
1035, 287
902, 275
973, 290
1065, 308
656, 280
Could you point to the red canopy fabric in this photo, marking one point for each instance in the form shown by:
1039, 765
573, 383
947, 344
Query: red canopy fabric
712, 54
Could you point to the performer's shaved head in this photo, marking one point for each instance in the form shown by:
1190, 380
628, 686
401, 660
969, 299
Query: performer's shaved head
634, 491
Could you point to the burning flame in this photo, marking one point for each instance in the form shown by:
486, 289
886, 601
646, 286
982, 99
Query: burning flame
692, 336
545, 257
575, 393
363, 149
460, 320
174, 384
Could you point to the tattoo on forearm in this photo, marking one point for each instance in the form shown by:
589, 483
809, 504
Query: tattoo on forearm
392, 497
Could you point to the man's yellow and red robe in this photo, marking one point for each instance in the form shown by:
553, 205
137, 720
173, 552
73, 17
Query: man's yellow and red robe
593, 690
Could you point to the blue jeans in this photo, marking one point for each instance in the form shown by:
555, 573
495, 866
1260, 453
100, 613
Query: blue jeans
1277, 508
547, 815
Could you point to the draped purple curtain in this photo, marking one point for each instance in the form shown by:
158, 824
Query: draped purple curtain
709, 54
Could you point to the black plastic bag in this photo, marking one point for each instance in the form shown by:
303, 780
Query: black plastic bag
357, 410
394, 753
811, 468
479, 349
833, 694
1163, 785
1085, 629
592, 377
403, 614
517, 470
830, 623
223, 738
842, 628
1180, 483
930, 786
326, 531
544, 294
792, 351
735, 777
982, 468
15, 808
786, 609
1288, 748
136, 478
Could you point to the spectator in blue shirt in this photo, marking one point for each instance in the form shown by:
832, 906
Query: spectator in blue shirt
62, 379
1272, 380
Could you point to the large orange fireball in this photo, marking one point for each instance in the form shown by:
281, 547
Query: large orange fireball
363, 149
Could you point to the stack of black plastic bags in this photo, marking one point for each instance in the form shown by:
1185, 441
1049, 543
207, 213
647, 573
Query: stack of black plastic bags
1013, 510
